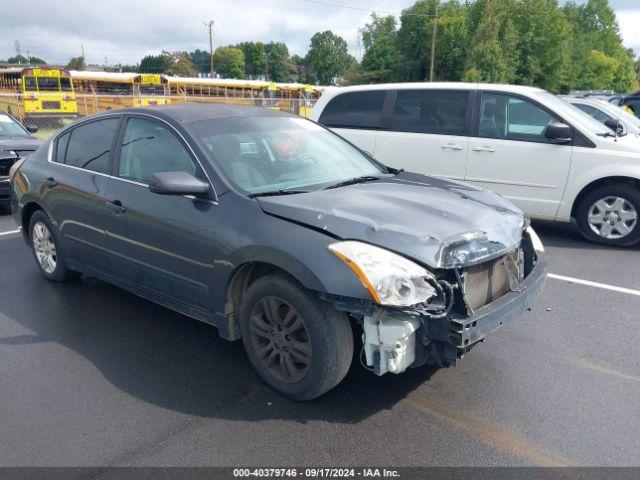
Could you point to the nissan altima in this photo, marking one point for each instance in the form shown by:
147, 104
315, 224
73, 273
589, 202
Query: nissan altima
279, 233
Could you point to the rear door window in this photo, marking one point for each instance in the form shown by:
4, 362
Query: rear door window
90, 146
354, 110
430, 111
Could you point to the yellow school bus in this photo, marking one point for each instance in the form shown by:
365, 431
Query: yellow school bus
298, 98
99, 91
219, 90
37, 92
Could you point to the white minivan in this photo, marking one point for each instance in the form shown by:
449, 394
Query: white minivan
549, 158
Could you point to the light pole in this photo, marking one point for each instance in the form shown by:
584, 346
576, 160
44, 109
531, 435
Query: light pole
210, 25
433, 44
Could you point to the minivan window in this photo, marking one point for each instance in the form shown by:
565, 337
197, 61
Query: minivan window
90, 145
513, 118
354, 110
149, 147
593, 112
430, 111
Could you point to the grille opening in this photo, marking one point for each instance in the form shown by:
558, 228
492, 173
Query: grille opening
486, 282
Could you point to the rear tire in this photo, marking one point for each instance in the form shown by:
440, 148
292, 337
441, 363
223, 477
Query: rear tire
47, 249
299, 345
610, 215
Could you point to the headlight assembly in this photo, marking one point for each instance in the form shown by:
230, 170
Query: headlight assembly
390, 279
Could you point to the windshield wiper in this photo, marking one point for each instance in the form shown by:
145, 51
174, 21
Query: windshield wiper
353, 181
274, 193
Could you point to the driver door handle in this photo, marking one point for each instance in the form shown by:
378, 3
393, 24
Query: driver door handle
451, 146
484, 148
116, 206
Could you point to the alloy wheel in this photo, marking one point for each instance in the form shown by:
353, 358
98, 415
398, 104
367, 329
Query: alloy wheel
44, 247
612, 217
280, 339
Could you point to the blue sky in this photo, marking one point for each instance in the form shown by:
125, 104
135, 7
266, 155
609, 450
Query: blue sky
124, 30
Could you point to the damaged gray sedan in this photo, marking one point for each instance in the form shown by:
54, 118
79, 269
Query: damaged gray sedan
280, 233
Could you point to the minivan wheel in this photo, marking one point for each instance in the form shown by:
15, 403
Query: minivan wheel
47, 249
299, 345
610, 215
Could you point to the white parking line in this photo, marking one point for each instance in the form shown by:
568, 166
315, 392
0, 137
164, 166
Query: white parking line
589, 283
10, 232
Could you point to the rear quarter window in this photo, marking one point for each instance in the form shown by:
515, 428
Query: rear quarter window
354, 110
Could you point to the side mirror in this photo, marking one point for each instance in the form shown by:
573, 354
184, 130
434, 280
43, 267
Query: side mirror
558, 132
32, 128
177, 183
615, 125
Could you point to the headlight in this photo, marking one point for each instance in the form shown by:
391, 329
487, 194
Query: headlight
389, 278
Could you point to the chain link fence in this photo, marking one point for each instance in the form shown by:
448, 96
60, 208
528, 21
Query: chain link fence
49, 113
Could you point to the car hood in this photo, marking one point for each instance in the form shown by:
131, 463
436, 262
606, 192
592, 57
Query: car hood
425, 218
21, 144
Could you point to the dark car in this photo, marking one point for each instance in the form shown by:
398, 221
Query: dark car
281, 233
16, 142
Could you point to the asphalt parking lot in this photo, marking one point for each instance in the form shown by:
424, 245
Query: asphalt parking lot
93, 376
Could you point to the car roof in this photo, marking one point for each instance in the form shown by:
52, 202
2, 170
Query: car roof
189, 112
434, 86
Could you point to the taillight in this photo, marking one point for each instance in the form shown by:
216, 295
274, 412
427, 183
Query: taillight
32, 97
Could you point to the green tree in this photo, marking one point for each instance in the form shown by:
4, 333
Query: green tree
328, 56
254, 58
380, 59
76, 63
414, 40
452, 41
22, 60
543, 44
201, 60
278, 62
493, 57
180, 65
155, 63
229, 62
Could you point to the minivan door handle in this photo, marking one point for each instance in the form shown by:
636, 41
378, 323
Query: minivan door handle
116, 206
451, 146
50, 182
484, 148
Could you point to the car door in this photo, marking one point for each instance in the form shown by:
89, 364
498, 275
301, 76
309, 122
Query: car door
356, 116
509, 153
427, 131
160, 243
75, 182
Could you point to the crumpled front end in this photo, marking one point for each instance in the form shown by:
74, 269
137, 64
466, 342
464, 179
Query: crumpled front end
473, 300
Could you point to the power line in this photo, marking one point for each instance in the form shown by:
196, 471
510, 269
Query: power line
380, 12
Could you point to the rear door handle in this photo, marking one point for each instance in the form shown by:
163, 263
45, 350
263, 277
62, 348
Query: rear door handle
50, 182
116, 206
451, 146
484, 148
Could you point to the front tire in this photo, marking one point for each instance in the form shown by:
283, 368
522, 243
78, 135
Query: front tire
610, 215
47, 249
299, 345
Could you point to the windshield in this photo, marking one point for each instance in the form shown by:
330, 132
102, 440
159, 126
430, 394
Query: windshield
585, 119
270, 154
9, 127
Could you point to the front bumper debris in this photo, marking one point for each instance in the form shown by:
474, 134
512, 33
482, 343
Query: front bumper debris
394, 340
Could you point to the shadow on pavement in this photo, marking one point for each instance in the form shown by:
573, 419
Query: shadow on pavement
563, 235
174, 362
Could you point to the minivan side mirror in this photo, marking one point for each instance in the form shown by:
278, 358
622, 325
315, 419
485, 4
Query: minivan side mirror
31, 128
558, 132
177, 183
614, 125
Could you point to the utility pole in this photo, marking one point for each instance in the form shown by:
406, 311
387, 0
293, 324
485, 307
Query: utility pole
266, 67
433, 44
210, 25
82, 49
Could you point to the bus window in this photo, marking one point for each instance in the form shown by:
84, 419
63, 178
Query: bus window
48, 84
30, 84
65, 84
152, 89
